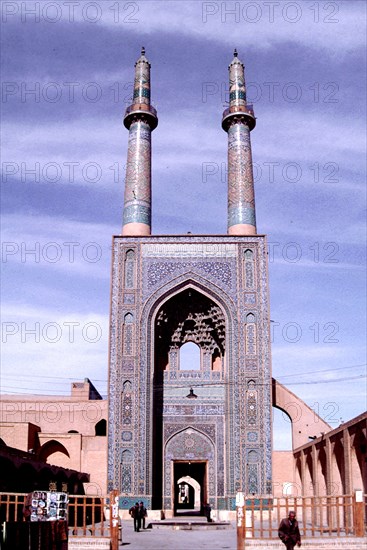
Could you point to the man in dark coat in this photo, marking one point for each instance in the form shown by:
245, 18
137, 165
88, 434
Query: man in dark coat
207, 511
143, 513
135, 514
289, 532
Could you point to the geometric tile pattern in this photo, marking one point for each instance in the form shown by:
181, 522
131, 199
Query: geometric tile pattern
229, 423
138, 174
241, 199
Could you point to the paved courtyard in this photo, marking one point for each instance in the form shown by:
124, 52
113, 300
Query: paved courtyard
169, 539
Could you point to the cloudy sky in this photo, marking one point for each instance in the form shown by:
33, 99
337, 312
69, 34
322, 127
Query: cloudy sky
67, 71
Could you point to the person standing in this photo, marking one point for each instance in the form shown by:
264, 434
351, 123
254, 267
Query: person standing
135, 514
143, 513
207, 511
289, 531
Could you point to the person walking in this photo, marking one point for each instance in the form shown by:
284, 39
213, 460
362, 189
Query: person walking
289, 531
143, 513
135, 514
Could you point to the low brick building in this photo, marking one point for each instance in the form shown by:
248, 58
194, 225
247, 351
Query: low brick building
68, 432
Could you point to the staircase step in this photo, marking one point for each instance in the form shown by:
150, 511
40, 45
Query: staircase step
189, 524
86, 543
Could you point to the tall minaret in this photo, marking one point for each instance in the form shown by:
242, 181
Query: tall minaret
140, 119
238, 120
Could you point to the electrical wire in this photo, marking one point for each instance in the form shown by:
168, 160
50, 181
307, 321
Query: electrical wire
105, 379
192, 384
324, 370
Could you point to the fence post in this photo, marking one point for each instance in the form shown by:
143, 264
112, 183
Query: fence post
240, 513
358, 514
114, 519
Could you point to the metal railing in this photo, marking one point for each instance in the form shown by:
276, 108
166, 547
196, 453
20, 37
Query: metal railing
318, 516
11, 506
86, 514
141, 107
247, 109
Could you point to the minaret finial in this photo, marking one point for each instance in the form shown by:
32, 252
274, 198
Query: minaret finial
235, 52
142, 50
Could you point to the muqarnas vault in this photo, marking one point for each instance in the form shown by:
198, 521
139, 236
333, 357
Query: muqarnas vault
184, 434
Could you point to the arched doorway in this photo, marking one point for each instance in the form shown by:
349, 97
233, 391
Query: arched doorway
189, 353
188, 490
189, 462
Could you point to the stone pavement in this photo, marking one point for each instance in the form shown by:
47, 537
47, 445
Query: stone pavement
179, 539
170, 539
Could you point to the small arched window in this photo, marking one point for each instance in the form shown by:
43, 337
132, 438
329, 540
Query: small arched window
101, 427
251, 385
216, 360
127, 386
129, 269
128, 334
190, 356
249, 269
252, 457
126, 456
250, 318
250, 334
129, 318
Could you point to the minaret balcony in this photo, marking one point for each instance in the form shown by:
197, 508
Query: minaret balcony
244, 112
138, 111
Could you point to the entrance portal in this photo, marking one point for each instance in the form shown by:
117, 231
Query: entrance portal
189, 486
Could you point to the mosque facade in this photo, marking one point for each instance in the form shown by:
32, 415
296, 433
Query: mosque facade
181, 432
